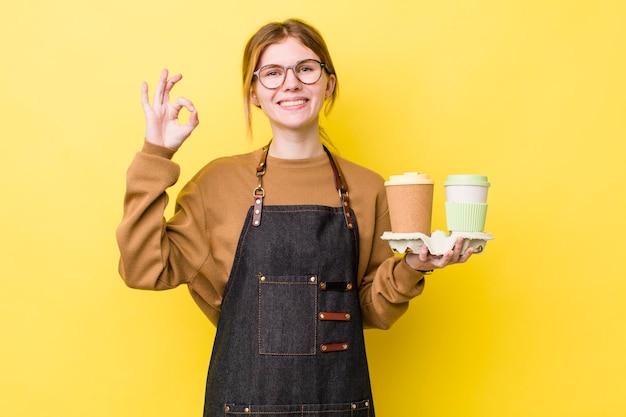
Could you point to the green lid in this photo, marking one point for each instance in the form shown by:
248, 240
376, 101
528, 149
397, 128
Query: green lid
478, 180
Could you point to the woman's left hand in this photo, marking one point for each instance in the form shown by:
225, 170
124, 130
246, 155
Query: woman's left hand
425, 261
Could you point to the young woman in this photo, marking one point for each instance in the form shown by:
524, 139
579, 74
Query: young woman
280, 247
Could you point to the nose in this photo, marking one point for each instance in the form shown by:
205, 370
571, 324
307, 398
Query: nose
291, 81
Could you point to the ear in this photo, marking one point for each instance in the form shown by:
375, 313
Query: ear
330, 85
254, 99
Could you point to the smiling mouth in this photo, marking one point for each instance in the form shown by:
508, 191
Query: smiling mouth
292, 103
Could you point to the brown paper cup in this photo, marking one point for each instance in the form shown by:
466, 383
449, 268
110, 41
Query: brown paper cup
410, 200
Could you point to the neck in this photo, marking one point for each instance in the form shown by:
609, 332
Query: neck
296, 146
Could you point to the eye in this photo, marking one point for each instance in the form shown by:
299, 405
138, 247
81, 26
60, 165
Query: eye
271, 72
306, 67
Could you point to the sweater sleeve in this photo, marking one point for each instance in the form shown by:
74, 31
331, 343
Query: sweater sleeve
155, 254
389, 282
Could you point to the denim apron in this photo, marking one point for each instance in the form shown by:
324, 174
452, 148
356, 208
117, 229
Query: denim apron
289, 339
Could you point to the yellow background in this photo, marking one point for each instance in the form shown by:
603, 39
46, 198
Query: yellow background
529, 92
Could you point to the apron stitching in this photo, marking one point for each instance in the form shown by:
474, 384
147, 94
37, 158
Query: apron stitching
259, 317
315, 326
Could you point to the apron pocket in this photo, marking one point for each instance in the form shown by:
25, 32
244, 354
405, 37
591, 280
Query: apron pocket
355, 409
287, 315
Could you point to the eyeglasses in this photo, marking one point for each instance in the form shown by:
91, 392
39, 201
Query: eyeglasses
273, 76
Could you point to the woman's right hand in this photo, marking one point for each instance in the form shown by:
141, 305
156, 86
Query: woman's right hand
162, 125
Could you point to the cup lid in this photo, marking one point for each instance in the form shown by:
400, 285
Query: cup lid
478, 180
409, 178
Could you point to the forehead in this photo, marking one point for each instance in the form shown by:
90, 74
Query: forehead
287, 52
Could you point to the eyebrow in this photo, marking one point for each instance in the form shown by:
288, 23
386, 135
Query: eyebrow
296, 63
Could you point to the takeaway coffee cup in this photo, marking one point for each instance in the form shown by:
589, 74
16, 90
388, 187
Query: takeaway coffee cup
410, 199
466, 202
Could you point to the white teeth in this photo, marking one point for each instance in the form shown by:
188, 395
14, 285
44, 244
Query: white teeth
292, 103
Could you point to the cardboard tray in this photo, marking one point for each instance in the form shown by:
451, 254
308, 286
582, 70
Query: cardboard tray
438, 242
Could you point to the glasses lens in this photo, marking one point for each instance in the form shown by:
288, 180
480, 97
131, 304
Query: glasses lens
271, 76
309, 71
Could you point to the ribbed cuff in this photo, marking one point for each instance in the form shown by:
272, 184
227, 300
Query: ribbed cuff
157, 150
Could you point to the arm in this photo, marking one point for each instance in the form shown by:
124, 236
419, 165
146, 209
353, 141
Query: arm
391, 281
149, 246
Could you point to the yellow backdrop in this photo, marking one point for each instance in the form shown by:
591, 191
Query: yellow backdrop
528, 92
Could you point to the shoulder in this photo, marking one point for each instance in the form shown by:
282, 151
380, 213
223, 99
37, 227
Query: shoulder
358, 176
229, 168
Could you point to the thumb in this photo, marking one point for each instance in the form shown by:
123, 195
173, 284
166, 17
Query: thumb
193, 119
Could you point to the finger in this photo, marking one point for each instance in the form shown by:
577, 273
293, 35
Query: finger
169, 85
193, 119
448, 258
466, 255
187, 104
457, 250
423, 254
145, 101
160, 88
183, 102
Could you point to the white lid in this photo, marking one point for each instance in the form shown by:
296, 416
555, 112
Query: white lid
409, 178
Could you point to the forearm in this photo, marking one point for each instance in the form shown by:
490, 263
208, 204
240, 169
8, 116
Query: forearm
146, 245
386, 293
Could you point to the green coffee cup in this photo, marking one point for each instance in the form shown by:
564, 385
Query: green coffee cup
466, 217
466, 202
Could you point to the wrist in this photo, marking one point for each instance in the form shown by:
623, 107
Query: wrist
412, 260
159, 150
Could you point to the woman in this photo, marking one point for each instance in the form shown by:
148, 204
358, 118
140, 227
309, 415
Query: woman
280, 247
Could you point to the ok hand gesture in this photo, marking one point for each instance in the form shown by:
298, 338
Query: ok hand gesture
162, 125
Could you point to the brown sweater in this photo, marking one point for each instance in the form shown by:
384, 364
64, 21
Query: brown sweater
197, 245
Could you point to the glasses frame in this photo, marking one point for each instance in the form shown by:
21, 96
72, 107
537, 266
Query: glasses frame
286, 68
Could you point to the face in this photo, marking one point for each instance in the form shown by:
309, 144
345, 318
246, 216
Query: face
293, 105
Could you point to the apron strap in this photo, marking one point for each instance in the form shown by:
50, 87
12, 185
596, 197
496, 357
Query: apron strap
342, 188
340, 184
259, 192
